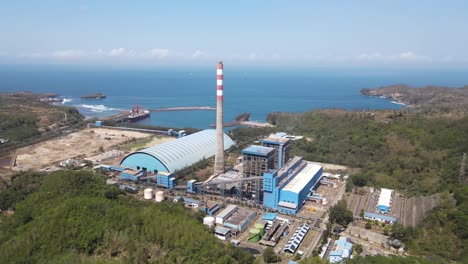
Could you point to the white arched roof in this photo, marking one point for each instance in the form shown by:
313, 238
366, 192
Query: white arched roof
183, 152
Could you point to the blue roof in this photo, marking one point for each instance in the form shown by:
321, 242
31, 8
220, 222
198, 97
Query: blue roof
340, 246
187, 200
269, 216
380, 216
177, 154
280, 134
258, 150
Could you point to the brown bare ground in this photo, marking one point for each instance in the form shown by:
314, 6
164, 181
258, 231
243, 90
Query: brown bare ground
417, 208
83, 143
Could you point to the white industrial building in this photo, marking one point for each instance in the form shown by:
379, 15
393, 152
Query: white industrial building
225, 214
385, 201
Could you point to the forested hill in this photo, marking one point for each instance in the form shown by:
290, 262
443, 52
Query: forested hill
74, 217
25, 116
428, 96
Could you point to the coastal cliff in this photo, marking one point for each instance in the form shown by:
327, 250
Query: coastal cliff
428, 95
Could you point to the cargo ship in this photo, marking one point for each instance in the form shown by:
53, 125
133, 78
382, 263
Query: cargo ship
138, 113
93, 96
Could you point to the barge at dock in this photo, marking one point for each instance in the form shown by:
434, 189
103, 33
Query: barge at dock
138, 113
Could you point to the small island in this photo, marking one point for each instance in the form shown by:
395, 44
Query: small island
94, 96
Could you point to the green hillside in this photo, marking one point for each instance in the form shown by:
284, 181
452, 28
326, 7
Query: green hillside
74, 217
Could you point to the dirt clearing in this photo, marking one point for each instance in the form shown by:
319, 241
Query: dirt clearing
84, 143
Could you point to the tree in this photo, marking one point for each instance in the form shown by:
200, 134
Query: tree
358, 248
368, 225
340, 214
269, 256
359, 179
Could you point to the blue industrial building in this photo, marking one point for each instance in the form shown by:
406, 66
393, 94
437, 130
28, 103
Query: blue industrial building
281, 146
132, 175
177, 154
191, 186
385, 201
211, 210
165, 179
379, 217
342, 250
257, 159
287, 189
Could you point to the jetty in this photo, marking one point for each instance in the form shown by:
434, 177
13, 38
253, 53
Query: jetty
245, 123
184, 108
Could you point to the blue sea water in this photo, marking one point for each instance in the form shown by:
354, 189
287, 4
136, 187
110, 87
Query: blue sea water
255, 90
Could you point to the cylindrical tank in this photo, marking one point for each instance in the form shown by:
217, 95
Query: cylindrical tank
148, 194
209, 221
159, 196
261, 227
254, 235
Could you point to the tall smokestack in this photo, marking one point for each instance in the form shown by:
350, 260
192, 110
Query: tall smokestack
219, 158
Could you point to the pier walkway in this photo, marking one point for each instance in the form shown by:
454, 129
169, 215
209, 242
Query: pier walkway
184, 108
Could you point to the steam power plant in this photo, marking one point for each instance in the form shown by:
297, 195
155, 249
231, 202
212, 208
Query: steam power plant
219, 157
265, 174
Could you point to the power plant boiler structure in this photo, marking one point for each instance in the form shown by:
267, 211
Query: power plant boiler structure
219, 156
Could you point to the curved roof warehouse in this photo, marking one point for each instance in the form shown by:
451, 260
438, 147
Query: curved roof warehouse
177, 154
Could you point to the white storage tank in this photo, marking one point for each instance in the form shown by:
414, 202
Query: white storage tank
159, 196
148, 194
209, 221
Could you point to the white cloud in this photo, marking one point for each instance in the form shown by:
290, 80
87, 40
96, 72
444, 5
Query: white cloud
407, 56
252, 56
411, 56
158, 53
198, 54
122, 52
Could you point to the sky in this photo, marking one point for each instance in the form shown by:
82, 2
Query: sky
412, 33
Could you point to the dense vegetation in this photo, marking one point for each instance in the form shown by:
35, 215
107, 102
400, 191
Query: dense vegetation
74, 217
444, 232
23, 116
396, 149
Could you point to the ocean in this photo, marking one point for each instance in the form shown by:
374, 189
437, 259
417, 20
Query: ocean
256, 90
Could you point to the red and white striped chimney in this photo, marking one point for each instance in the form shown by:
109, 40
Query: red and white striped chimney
219, 157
